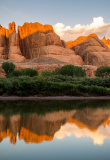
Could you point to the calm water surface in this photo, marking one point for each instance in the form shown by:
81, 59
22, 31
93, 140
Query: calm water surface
55, 130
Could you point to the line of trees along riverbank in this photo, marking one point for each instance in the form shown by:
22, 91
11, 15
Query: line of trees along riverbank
68, 80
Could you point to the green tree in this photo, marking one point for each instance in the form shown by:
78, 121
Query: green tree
29, 72
16, 73
8, 68
103, 72
74, 71
46, 73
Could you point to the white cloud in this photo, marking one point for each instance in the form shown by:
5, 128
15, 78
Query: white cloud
97, 136
98, 26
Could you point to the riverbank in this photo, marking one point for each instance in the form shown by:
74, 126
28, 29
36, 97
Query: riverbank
13, 98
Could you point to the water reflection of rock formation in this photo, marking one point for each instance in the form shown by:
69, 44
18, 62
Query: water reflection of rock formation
35, 129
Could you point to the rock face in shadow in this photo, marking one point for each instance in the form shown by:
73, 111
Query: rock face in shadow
93, 52
2, 47
9, 43
3, 42
33, 36
14, 48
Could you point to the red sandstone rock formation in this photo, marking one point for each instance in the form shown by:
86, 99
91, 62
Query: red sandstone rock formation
12, 27
30, 28
34, 40
93, 52
3, 42
9, 43
62, 54
14, 48
106, 41
37, 40
35, 35
79, 40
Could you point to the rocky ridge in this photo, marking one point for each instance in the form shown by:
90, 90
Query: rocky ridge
80, 39
93, 52
38, 46
106, 41
34, 40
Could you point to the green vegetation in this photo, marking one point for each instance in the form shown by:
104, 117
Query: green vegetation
26, 86
29, 72
103, 72
8, 68
8, 108
67, 80
104, 82
70, 70
46, 73
25, 72
16, 73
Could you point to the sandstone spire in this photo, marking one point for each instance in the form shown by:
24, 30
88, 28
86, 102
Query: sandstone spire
12, 27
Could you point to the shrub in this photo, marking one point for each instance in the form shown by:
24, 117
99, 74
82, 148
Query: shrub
26, 86
46, 73
105, 82
2, 88
29, 72
103, 72
8, 68
56, 71
67, 70
60, 78
16, 73
71, 70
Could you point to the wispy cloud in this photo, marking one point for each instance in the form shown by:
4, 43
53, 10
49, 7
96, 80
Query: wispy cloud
98, 26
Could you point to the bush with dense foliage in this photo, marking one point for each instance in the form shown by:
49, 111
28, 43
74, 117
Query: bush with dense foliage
56, 71
103, 72
16, 73
46, 73
26, 86
68, 80
71, 70
8, 68
29, 72
104, 82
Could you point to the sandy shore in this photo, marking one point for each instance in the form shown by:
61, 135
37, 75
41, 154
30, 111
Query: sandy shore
12, 98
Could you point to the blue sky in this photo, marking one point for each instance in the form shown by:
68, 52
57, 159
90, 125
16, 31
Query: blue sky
66, 12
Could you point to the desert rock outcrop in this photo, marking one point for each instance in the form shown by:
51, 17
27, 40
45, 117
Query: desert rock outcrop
3, 42
106, 41
34, 36
9, 43
34, 40
14, 48
79, 40
93, 52
62, 54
